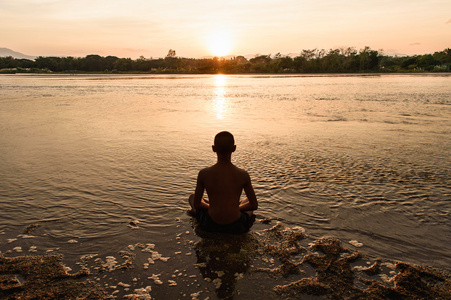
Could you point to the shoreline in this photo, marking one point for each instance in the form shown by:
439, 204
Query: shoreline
272, 260
366, 73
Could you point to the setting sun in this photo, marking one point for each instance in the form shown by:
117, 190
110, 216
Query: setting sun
219, 43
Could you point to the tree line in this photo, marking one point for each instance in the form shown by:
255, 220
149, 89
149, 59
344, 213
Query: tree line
343, 60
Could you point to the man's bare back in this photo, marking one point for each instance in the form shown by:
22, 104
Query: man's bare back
224, 183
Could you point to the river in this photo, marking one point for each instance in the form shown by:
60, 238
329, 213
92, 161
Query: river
356, 157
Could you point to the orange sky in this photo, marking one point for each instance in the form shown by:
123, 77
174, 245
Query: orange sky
197, 28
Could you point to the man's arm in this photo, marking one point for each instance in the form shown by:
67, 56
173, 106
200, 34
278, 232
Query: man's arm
198, 194
252, 204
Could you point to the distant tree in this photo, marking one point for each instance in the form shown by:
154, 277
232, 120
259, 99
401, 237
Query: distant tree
369, 59
171, 53
409, 63
50, 63
332, 62
260, 64
124, 64
143, 64
7, 62
278, 56
108, 62
93, 63
282, 64
308, 54
444, 57
351, 63
300, 64
390, 63
70, 64
427, 62
241, 60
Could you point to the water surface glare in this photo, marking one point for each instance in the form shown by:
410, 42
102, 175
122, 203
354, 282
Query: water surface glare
355, 157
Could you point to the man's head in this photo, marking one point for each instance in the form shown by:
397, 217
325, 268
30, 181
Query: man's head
224, 143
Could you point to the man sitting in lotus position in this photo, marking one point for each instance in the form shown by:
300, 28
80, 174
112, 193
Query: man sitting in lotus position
224, 182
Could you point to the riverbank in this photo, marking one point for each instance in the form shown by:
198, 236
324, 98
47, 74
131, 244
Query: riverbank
273, 260
308, 61
12, 71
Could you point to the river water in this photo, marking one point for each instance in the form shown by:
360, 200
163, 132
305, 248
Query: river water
363, 158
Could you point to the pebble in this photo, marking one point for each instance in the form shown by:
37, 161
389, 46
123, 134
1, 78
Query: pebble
356, 243
142, 293
217, 282
201, 265
110, 263
195, 296
27, 236
156, 279
123, 285
149, 248
220, 273
88, 256
386, 278
67, 269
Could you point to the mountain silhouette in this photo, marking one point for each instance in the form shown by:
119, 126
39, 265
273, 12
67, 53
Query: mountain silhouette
4, 52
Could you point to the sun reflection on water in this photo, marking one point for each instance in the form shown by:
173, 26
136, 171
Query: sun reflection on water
220, 102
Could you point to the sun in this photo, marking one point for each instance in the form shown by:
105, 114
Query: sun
219, 43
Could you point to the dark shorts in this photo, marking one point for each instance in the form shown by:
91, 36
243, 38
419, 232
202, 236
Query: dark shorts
242, 225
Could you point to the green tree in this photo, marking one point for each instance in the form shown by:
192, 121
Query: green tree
369, 59
123, 64
7, 62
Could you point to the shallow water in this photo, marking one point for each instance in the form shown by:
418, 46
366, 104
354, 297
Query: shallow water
354, 157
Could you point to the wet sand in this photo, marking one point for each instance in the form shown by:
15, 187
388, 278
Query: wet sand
273, 261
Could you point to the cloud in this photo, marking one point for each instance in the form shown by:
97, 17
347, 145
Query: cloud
414, 44
448, 22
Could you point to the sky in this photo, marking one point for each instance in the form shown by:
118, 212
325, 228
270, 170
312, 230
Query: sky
202, 28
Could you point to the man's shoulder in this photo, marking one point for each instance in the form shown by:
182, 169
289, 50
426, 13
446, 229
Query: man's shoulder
205, 170
243, 174
215, 168
241, 170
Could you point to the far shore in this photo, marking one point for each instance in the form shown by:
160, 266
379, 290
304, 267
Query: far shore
312, 61
47, 72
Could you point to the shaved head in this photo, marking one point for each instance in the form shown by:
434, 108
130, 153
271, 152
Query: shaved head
224, 142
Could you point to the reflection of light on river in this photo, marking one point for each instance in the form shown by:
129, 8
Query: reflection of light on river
220, 103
